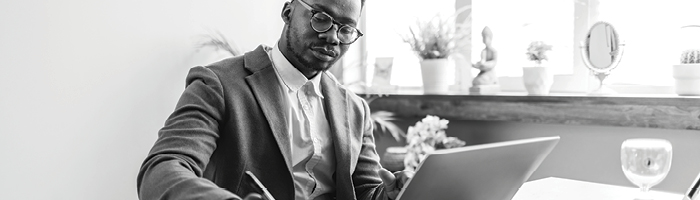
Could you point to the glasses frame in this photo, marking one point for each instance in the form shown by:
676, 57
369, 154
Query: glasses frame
340, 25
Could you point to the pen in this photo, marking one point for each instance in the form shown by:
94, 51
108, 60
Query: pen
266, 193
693, 191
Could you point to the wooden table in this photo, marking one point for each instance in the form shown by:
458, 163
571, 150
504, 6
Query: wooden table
553, 188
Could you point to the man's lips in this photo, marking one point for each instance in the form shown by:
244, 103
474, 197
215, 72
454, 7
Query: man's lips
324, 51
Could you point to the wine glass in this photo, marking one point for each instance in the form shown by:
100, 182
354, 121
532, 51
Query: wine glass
646, 162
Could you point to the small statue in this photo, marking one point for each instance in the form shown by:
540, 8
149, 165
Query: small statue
486, 81
487, 75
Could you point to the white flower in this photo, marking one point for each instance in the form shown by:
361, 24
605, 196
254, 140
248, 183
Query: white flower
422, 139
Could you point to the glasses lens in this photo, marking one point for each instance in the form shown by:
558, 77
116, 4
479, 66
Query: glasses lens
347, 34
321, 22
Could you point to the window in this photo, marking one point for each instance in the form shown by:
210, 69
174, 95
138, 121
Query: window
650, 30
387, 21
520, 22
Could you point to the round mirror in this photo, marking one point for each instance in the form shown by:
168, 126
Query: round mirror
601, 52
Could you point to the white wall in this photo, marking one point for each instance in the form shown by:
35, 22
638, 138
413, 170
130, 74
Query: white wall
85, 85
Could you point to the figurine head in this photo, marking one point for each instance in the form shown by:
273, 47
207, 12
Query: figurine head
486, 35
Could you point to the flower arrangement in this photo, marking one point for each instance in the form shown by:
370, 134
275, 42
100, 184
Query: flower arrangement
537, 51
439, 37
691, 56
427, 136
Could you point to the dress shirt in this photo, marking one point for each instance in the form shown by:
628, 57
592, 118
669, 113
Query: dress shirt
313, 157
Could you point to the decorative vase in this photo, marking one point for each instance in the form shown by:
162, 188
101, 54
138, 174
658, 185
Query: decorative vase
538, 80
687, 79
436, 75
393, 158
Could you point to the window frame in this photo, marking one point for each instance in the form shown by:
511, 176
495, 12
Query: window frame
354, 68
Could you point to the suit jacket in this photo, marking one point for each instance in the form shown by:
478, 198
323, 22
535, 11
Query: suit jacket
229, 120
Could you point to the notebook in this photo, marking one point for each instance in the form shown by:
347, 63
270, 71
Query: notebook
493, 171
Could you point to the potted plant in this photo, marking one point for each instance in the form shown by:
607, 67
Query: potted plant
537, 78
434, 41
687, 74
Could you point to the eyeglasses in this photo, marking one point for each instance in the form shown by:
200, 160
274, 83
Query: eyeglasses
322, 22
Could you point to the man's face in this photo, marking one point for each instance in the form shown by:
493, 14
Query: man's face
314, 51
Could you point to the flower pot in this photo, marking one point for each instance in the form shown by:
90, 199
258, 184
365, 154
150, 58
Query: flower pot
687, 78
436, 75
393, 158
538, 80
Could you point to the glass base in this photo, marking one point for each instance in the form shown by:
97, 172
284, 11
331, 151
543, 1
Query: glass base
643, 194
642, 197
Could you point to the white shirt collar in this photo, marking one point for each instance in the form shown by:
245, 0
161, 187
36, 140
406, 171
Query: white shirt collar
291, 77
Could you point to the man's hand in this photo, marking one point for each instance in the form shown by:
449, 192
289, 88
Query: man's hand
394, 182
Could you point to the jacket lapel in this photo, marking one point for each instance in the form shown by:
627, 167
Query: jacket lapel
336, 104
263, 82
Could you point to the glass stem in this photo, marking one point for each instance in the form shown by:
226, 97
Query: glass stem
644, 193
644, 189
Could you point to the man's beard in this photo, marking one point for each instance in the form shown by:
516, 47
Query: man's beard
298, 54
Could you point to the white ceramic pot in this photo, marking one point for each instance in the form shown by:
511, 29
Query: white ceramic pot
537, 80
687, 78
436, 75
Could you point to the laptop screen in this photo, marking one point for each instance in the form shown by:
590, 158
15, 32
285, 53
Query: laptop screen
483, 172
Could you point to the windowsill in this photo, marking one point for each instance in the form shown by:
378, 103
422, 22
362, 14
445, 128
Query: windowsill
650, 111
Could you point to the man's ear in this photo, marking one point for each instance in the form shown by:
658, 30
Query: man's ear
287, 12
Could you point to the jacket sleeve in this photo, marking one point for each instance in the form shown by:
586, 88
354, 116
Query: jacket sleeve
173, 169
368, 185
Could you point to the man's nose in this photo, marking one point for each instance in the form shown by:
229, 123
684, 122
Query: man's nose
331, 35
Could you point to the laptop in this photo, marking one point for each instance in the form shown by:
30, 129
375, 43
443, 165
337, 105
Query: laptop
493, 171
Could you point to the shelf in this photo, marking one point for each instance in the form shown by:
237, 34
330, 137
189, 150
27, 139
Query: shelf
668, 112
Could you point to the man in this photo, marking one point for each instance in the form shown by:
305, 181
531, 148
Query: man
278, 114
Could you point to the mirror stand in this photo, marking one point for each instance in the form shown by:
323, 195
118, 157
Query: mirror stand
599, 73
602, 88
